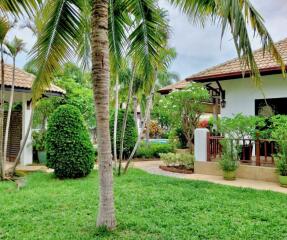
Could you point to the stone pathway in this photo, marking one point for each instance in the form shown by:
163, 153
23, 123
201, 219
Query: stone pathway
153, 168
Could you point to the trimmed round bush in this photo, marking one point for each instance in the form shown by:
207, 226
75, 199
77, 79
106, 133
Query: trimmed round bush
69, 149
131, 133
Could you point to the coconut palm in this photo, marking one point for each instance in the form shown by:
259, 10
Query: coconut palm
60, 36
14, 48
4, 28
16, 8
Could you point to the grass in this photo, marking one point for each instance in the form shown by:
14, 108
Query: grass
148, 207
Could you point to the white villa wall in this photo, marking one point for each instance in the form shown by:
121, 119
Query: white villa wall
241, 93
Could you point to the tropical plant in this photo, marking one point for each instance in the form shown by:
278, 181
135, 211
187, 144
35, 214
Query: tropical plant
4, 28
279, 134
69, 149
185, 160
61, 34
153, 150
229, 161
188, 106
14, 48
39, 140
130, 135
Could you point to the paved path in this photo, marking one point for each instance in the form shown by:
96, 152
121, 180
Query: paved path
153, 168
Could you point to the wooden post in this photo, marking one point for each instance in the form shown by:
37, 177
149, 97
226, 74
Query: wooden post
208, 146
257, 148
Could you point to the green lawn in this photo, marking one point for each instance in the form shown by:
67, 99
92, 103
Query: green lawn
148, 207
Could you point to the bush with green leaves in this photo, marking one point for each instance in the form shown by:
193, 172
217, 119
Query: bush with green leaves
39, 140
131, 133
153, 150
279, 134
69, 149
178, 159
229, 160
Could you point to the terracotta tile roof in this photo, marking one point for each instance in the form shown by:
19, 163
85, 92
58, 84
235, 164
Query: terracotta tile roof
24, 80
233, 68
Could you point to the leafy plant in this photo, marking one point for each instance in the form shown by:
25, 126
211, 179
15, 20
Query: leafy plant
69, 149
280, 135
131, 133
153, 150
178, 159
229, 159
39, 140
185, 107
240, 126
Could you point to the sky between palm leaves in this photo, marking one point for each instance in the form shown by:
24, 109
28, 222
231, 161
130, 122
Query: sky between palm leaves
198, 48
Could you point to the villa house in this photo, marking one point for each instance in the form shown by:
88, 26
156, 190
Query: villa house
234, 93
238, 94
22, 112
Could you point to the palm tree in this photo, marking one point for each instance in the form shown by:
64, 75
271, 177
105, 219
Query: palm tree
16, 8
14, 48
61, 34
4, 28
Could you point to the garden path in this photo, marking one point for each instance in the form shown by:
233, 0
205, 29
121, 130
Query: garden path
153, 168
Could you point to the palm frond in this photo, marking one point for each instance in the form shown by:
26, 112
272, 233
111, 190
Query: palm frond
119, 21
148, 36
16, 6
84, 48
56, 43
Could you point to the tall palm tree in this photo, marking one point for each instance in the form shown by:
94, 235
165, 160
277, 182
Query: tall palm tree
16, 8
60, 35
14, 48
4, 28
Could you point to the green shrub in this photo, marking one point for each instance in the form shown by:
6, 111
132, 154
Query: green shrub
178, 159
39, 140
229, 160
69, 149
131, 133
153, 150
279, 134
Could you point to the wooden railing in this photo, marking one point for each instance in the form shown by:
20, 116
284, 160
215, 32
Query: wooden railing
264, 150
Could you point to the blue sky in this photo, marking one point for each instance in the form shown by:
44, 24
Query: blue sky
197, 47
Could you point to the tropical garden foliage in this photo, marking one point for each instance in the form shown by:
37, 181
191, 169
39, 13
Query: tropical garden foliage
99, 31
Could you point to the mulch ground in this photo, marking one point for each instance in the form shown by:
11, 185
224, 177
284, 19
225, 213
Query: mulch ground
176, 169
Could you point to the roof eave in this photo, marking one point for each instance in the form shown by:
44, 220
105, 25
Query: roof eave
234, 75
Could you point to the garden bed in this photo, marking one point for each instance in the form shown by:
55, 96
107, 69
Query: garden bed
176, 169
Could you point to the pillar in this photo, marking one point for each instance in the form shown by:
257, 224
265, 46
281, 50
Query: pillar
27, 154
200, 144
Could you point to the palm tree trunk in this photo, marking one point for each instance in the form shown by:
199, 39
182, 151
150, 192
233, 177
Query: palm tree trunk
116, 119
101, 80
125, 120
135, 107
2, 158
147, 112
147, 131
9, 112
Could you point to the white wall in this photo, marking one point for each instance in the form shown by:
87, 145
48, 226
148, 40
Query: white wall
241, 93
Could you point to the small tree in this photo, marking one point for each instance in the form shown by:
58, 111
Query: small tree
185, 107
69, 148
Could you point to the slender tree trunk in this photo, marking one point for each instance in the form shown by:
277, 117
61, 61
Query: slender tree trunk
101, 80
2, 158
135, 107
147, 112
125, 120
11, 171
147, 129
11, 100
116, 120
